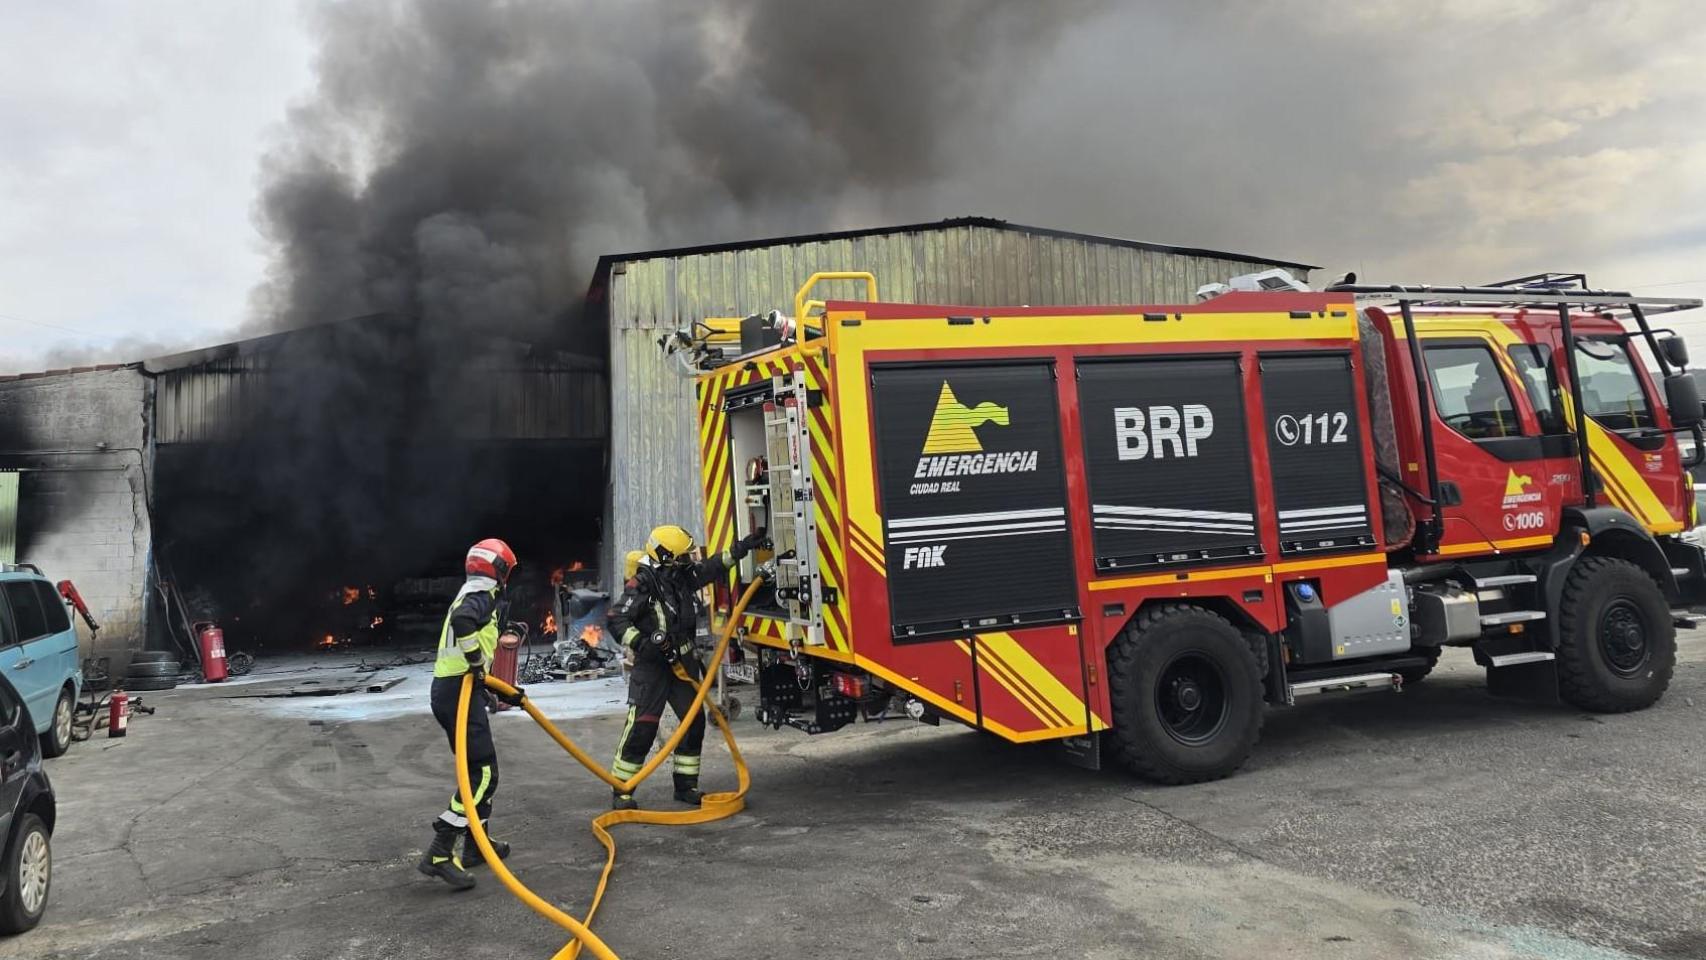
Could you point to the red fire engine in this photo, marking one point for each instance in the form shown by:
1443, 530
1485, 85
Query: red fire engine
1129, 529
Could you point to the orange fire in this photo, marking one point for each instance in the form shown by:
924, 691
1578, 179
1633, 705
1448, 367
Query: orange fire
550, 623
376, 622
561, 573
577, 566
328, 641
351, 595
590, 635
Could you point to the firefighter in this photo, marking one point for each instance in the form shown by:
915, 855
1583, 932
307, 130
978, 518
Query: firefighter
656, 618
466, 644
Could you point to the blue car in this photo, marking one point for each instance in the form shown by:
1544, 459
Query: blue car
38, 653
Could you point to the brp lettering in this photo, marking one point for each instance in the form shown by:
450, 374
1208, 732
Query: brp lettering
915, 558
1141, 433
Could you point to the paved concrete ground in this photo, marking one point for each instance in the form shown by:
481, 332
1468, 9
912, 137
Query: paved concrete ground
1438, 823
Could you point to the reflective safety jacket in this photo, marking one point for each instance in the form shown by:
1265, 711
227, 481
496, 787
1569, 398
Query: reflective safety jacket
661, 599
470, 633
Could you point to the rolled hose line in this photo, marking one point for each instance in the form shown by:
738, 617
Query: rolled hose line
716, 806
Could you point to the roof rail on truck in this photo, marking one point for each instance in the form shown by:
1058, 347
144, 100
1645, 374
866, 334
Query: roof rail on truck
1540, 291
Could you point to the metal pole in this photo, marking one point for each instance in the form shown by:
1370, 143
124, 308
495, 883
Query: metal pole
1574, 388
1424, 398
1652, 341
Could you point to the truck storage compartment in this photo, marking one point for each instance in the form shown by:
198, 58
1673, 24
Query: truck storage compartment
1168, 460
973, 495
1315, 452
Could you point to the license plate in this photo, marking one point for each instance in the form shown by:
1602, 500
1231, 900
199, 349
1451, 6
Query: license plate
740, 672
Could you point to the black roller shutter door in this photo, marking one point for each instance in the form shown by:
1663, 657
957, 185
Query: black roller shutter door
973, 496
1315, 452
1168, 458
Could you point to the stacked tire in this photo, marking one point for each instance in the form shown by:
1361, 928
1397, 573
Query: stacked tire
153, 670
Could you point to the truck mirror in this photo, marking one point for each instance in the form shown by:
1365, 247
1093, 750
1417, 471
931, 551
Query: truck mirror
1682, 399
1675, 351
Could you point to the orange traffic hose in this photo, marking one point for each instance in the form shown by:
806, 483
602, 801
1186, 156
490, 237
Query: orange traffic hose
715, 806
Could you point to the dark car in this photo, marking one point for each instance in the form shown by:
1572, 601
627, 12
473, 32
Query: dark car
26, 817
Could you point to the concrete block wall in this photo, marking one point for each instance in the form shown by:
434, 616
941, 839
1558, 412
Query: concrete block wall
80, 442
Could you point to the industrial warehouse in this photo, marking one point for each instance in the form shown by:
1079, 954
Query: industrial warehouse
358, 435
765, 479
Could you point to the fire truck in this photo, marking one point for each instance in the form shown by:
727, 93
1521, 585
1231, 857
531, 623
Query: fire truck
1133, 529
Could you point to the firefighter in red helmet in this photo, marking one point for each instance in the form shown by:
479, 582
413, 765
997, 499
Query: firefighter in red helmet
466, 644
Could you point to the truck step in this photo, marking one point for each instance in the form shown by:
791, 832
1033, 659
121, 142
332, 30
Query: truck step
1503, 580
1359, 683
1509, 617
1515, 659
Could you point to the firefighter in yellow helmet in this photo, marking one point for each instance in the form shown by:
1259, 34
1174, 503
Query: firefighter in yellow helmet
656, 617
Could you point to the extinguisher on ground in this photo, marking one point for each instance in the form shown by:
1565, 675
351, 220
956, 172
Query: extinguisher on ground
210, 641
118, 713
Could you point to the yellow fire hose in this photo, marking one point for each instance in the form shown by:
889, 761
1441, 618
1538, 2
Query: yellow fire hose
716, 806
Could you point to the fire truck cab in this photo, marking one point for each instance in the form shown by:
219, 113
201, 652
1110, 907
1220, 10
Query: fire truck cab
1131, 529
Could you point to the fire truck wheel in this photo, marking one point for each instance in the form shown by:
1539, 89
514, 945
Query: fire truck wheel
1414, 675
57, 740
1616, 639
1187, 695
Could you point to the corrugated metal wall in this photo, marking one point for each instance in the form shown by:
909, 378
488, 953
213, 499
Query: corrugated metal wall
654, 461
558, 398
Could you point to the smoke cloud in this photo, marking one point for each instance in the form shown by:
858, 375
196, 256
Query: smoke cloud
470, 162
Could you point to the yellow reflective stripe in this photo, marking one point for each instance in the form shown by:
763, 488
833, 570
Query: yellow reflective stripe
1040, 678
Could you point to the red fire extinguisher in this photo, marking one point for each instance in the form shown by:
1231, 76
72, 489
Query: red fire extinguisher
118, 713
212, 640
504, 662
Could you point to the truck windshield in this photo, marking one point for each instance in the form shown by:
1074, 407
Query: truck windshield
1611, 392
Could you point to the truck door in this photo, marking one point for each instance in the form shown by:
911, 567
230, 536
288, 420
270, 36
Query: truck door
1637, 467
1503, 470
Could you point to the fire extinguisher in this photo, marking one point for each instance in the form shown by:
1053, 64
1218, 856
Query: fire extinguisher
118, 713
212, 642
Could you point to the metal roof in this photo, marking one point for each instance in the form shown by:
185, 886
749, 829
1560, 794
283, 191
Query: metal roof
605, 261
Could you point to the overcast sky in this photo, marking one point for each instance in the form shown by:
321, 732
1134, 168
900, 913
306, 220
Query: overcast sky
1458, 141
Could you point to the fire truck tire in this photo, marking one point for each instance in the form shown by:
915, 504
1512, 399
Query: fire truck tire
1616, 639
164, 668
1187, 696
1414, 675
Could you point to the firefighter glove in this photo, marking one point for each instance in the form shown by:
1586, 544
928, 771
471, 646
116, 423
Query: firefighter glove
513, 699
748, 543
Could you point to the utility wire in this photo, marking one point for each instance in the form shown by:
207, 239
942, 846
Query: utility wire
44, 323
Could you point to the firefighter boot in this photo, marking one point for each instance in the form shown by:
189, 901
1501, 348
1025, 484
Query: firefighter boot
687, 789
623, 801
471, 855
440, 859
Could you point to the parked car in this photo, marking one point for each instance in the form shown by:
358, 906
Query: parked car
27, 812
38, 653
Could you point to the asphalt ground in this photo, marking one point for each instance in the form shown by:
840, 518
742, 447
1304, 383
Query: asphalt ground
1437, 823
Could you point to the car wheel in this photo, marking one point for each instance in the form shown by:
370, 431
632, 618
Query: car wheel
29, 873
57, 740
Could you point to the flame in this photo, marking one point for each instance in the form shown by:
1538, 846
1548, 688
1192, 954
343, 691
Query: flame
328, 641
590, 635
577, 566
351, 595
372, 594
550, 623
376, 622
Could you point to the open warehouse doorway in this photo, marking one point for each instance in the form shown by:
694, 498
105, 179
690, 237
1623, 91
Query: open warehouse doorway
318, 488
